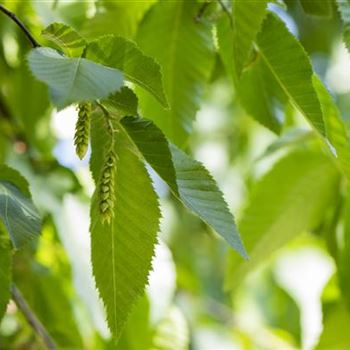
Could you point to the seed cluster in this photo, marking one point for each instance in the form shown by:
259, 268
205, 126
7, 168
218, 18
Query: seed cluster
106, 187
82, 129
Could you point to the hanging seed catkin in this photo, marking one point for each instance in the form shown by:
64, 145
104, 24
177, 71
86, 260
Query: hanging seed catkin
82, 129
106, 187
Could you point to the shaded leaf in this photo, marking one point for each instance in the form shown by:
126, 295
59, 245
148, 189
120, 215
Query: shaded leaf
276, 211
189, 180
17, 210
66, 38
321, 8
5, 272
122, 251
184, 48
73, 79
124, 55
344, 9
291, 67
122, 102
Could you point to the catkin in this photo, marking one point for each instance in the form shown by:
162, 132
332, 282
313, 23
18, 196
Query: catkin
82, 129
106, 187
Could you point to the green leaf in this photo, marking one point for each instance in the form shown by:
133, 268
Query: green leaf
247, 19
289, 63
73, 79
17, 211
124, 55
122, 102
188, 179
184, 48
277, 209
344, 9
335, 128
122, 251
321, 8
66, 38
255, 84
5, 272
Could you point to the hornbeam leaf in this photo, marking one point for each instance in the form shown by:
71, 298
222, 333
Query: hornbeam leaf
5, 272
320, 8
124, 55
73, 79
335, 128
122, 250
247, 19
275, 214
66, 38
17, 210
188, 179
185, 50
289, 63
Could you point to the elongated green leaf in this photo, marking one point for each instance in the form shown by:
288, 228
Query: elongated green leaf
255, 84
122, 251
124, 55
184, 49
335, 128
247, 19
344, 9
288, 62
122, 102
73, 79
277, 209
189, 180
66, 38
5, 272
17, 211
321, 8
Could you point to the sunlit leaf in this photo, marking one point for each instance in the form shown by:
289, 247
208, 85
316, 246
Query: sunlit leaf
73, 79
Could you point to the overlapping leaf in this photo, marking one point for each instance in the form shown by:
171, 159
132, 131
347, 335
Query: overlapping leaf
124, 55
66, 38
17, 211
247, 19
289, 63
188, 179
73, 79
184, 49
122, 251
277, 209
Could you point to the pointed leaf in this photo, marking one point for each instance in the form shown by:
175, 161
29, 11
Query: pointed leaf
73, 79
122, 102
124, 55
17, 211
189, 180
184, 48
122, 251
277, 213
289, 63
66, 38
247, 19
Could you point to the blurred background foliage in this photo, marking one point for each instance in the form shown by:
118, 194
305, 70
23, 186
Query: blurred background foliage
296, 294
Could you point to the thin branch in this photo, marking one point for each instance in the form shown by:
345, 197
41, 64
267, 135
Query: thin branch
21, 25
32, 319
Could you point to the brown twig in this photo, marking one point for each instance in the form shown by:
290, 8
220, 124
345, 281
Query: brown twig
21, 25
32, 319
